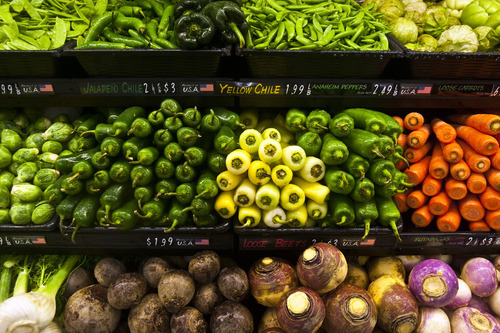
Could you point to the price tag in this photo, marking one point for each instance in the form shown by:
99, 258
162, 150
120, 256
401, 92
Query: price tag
176, 242
22, 240
481, 241
495, 91
298, 89
158, 88
11, 89
334, 241
460, 89
385, 89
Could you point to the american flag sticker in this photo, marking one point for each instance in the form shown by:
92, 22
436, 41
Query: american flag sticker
369, 241
424, 89
38, 240
46, 87
201, 241
206, 87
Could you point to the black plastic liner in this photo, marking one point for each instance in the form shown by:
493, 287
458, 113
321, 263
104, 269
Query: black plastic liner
317, 63
374, 230
220, 228
453, 65
150, 62
49, 226
16, 63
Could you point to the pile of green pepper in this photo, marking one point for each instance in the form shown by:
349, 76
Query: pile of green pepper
131, 168
359, 148
314, 25
186, 24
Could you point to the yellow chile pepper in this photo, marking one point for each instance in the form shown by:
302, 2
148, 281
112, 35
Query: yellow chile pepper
249, 217
292, 197
227, 181
238, 161
314, 191
267, 196
314, 169
225, 205
250, 140
316, 211
274, 218
259, 172
281, 175
249, 118
271, 133
294, 157
298, 217
270, 151
244, 194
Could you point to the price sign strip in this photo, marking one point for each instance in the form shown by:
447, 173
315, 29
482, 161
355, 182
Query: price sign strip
285, 242
24, 88
467, 240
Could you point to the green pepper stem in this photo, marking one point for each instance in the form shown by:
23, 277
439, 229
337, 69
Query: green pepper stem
342, 220
388, 175
202, 193
367, 228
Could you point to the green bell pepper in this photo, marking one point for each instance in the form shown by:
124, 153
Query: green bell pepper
229, 19
193, 31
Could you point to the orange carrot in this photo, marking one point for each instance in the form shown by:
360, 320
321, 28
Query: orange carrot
471, 208
444, 132
450, 221
490, 198
416, 199
431, 186
399, 120
438, 166
493, 219
400, 200
476, 161
422, 216
479, 226
493, 177
482, 143
400, 165
456, 189
495, 160
460, 170
418, 171
403, 140
439, 204
476, 183
418, 138
484, 122
452, 152
413, 155
413, 121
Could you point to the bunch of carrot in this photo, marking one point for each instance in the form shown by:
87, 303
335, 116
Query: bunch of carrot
455, 169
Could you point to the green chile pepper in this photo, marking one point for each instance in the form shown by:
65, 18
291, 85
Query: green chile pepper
141, 175
164, 187
195, 156
381, 171
140, 127
311, 143
162, 138
147, 156
176, 216
173, 152
164, 168
188, 136
342, 211
228, 118
356, 165
225, 141
363, 143
296, 119
113, 197
123, 122
367, 120
156, 118
317, 121
112, 146
119, 172
143, 194
210, 123
131, 147
124, 217
389, 214
341, 124
366, 213
216, 162
185, 173
173, 123
339, 181
206, 186
170, 107
363, 190
191, 117
152, 210
229, 19
333, 151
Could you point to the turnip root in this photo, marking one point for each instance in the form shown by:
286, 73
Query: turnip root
204, 266
207, 297
77, 280
188, 320
153, 269
88, 311
357, 275
127, 290
231, 317
107, 269
269, 319
233, 283
149, 316
378, 266
433, 320
176, 289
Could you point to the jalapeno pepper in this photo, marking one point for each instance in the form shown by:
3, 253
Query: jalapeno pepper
389, 214
225, 141
164, 188
162, 138
119, 171
176, 216
206, 186
191, 117
123, 122
124, 217
164, 168
210, 123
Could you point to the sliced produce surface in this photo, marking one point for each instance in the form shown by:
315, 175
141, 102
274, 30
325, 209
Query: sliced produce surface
317, 290
444, 26
454, 167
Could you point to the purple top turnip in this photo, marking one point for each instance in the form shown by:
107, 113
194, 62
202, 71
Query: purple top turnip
467, 319
480, 274
433, 282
